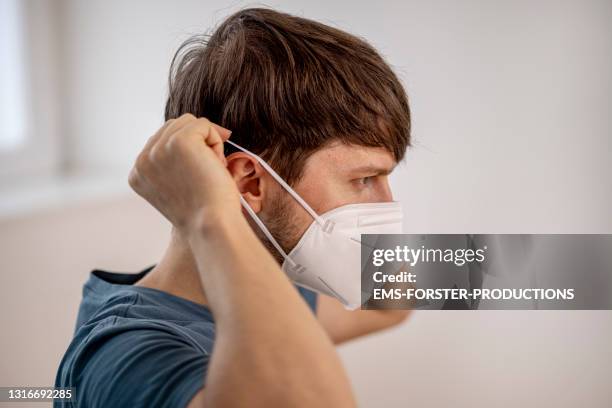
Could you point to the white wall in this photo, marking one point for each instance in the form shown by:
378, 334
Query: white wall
511, 111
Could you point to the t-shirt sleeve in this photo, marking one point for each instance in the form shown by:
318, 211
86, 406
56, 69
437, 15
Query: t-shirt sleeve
310, 298
139, 368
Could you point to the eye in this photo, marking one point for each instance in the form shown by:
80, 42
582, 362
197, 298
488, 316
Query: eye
366, 180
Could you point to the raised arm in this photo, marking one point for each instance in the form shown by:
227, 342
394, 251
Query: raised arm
269, 349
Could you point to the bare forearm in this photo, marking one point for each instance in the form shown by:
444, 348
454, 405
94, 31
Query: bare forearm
266, 335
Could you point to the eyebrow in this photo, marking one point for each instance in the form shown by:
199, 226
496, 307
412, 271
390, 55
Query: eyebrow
378, 170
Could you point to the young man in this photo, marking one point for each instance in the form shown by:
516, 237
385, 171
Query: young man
328, 115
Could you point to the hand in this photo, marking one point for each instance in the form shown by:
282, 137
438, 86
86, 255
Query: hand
182, 172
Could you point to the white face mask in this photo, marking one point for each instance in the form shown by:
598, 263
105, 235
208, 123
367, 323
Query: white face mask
327, 258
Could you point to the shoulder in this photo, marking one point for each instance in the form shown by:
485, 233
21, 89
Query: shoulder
122, 360
309, 297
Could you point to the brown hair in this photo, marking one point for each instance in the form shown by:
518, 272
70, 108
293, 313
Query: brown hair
287, 86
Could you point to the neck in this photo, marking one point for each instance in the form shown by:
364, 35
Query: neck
177, 273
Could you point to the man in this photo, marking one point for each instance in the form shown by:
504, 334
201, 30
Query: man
327, 114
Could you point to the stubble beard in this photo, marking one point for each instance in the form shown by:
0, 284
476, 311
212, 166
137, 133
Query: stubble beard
280, 221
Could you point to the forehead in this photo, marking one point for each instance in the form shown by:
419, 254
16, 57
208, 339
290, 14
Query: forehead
346, 158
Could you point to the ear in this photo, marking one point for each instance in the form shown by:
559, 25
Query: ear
248, 175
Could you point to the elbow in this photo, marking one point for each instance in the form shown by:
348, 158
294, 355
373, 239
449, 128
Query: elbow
397, 317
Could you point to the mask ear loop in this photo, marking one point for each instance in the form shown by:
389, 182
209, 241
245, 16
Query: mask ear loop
282, 182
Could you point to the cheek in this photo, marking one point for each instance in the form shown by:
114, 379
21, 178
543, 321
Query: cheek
329, 195
379, 191
299, 216
296, 221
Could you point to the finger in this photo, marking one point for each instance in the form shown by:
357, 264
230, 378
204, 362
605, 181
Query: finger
203, 130
171, 126
181, 122
159, 145
176, 126
223, 132
217, 139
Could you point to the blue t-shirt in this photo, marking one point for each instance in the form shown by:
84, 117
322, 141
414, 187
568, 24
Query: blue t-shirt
136, 346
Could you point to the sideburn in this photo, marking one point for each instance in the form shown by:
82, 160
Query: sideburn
280, 220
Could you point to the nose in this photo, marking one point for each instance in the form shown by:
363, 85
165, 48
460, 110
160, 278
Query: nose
385, 194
